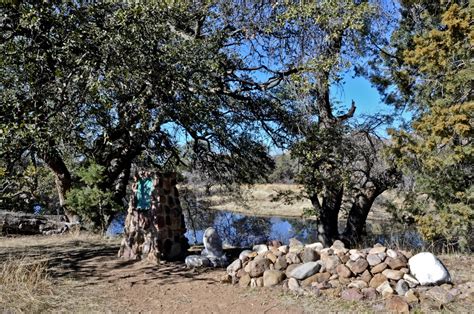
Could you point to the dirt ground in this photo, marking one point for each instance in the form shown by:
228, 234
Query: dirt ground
86, 276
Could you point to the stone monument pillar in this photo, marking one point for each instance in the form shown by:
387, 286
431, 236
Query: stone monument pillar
154, 227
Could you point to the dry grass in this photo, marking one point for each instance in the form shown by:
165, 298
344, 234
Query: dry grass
24, 285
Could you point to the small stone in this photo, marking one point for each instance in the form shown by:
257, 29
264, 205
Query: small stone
369, 293
344, 258
377, 280
234, 267
440, 295
358, 266
351, 295
405, 270
272, 278
252, 254
377, 249
244, 281
330, 262
284, 249
428, 269
271, 257
244, 255
391, 253
309, 255
317, 246
411, 297
226, 278
296, 246
385, 289
319, 277
335, 276
305, 270
393, 274
358, 284
378, 268
402, 287
397, 304
260, 248
292, 258
343, 271
395, 263
259, 281
373, 259
366, 276
258, 267
293, 284
253, 283
338, 244
407, 254
335, 283
280, 263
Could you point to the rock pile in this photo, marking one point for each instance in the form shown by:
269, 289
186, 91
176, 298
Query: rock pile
353, 275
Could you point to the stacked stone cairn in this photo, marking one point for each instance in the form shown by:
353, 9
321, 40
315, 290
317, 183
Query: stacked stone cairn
354, 275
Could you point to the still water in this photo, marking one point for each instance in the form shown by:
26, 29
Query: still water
241, 230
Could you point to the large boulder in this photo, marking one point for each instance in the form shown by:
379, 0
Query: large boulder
212, 243
197, 261
428, 269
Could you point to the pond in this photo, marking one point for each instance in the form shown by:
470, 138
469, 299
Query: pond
239, 230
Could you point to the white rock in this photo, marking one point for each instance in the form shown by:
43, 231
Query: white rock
284, 249
293, 284
428, 269
392, 253
317, 246
244, 255
212, 243
197, 261
260, 248
234, 267
354, 257
412, 282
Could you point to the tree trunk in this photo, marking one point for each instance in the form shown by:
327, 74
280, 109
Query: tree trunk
355, 227
29, 224
328, 230
63, 179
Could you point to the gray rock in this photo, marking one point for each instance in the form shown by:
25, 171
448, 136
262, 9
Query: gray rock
377, 249
402, 287
373, 259
272, 278
412, 282
305, 270
309, 255
258, 267
391, 253
197, 261
292, 258
281, 263
428, 269
234, 267
212, 243
284, 249
330, 262
317, 246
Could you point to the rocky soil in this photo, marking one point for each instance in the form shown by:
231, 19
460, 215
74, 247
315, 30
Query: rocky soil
399, 278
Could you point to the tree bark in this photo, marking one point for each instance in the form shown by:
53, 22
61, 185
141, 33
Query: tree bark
355, 227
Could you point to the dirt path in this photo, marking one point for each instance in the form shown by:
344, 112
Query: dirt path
88, 277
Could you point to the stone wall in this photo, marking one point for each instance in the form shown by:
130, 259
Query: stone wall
156, 231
